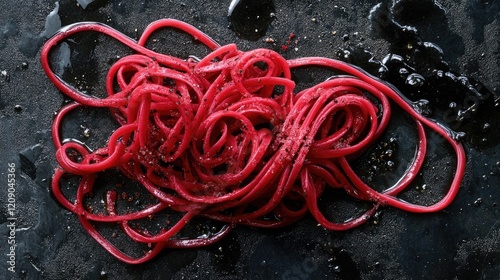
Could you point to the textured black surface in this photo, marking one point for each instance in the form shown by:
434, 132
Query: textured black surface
461, 242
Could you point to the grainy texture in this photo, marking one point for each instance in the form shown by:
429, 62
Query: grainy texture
458, 243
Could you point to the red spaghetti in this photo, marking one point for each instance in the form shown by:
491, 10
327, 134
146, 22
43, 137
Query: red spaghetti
227, 138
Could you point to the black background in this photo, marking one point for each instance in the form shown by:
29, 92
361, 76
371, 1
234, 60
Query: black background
461, 242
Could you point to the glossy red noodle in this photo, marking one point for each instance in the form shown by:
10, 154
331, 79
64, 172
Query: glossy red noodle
227, 138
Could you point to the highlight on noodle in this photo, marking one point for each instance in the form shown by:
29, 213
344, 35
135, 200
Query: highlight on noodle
227, 138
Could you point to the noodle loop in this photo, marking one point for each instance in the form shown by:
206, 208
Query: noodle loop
227, 138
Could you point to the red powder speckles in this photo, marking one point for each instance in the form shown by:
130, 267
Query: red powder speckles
216, 138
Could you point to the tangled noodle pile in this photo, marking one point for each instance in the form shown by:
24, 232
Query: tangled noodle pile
227, 138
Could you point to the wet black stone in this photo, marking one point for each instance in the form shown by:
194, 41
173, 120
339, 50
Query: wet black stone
402, 245
427, 74
250, 19
28, 158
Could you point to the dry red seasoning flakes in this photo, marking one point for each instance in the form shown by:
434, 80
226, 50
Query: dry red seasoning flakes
223, 144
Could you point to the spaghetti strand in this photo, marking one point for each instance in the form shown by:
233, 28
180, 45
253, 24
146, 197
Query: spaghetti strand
227, 138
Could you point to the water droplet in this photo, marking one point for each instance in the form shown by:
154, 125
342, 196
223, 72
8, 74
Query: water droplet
382, 72
346, 54
390, 164
458, 136
415, 80
422, 107
403, 72
376, 217
478, 202
389, 153
86, 132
